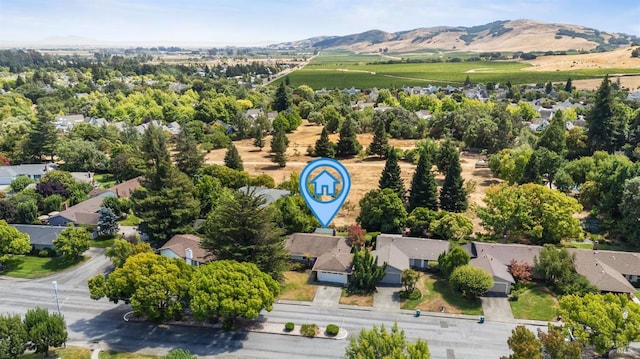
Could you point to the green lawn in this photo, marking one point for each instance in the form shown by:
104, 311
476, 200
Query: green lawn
117, 355
103, 243
35, 267
536, 303
105, 180
436, 293
62, 353
131, 220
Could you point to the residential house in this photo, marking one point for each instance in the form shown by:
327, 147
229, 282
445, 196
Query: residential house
33, 171
66, 123
502, 278
187, 247
625, 263
402, 253
330, 255
86, 212
40, 237
99, 122
270, 195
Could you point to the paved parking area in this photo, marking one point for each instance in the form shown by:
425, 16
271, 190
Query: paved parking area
386, 298
327, 296
497, 309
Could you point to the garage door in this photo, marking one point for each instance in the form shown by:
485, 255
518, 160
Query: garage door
499, 287
392, 279
332, 277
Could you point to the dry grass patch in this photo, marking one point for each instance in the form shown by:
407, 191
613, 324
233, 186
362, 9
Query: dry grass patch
436, 294
298, 286
353, 299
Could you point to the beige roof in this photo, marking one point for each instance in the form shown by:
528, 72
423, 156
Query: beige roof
624, 262
301, 244
601, 275
179, 243
492, 266
415, 248
121, 190
334, 262
391, 255
84, 212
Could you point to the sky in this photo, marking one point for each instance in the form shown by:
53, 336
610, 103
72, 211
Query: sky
261, 22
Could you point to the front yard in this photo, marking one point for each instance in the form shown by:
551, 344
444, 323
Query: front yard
536, 302
353, 299
298, 286
35, 267
437, 294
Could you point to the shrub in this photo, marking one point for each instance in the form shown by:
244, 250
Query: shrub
288, 326
309, 330
416, 294
332, 330
470, 281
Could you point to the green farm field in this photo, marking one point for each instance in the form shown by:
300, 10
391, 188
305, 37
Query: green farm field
347, 69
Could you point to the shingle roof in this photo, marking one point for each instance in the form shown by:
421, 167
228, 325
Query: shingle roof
40, 235
179, 243
270, 195
392, 255
624, 262
504, 252
601, 275
301, 244
334, 262
415, 248
492, 266
84, 212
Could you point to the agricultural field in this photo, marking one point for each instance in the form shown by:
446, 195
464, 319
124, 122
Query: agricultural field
343, 69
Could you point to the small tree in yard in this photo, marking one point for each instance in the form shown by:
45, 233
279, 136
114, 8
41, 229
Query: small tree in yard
520, 271
556, 347
366, 273
470, 281
409, 279
524, 344
380, 343
13, 336
44, 330
107, 222
448, 262
72, 242
356, 235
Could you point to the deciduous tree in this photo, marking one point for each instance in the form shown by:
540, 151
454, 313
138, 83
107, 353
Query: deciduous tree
123, 249
604, 320
13, 336
72, 242
409, 279
470, 281
382, 210
555, 345
44, 330
380, 343
230, 289
524, 344
12, 241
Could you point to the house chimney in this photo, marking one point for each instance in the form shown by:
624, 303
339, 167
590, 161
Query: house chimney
595, 245
188, 254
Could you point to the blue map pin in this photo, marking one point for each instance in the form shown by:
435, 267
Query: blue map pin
324, 184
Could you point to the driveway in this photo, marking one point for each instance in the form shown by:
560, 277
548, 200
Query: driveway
386, 299
327, 296
497, 309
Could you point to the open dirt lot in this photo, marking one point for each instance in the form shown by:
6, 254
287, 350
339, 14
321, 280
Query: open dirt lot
364, 173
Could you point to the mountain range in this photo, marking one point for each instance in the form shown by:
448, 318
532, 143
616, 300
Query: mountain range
508, 35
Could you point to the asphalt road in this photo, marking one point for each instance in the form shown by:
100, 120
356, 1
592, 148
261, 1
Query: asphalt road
100, 323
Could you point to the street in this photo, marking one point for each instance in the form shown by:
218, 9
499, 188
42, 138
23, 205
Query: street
100, 324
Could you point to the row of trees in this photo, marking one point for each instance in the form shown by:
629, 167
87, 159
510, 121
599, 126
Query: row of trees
38, 331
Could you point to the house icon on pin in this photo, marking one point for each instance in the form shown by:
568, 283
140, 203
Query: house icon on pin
324, 182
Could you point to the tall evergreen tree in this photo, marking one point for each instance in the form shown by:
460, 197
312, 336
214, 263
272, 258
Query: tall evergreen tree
568, 86
424, 189
390, 177
600, 129
348, 144
380, 142
453, 197
324, 146
188, 158
553, 137
42, 139
282, 99
279, 144
232, 158
242, 228
366, 273
447, 151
